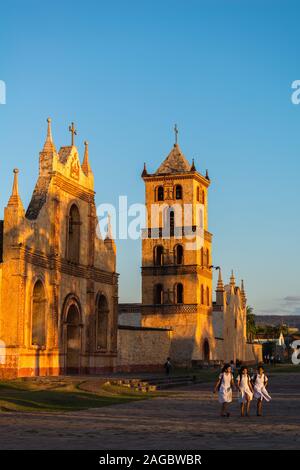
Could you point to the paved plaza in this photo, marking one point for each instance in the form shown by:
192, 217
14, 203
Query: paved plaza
185, 418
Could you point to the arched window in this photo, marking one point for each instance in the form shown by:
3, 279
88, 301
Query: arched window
178, 191
202, 294
207, 296
198, 194
172, 219
102, 312
158, 255
73, 242
203, 197
172, 222
158, 294
179, 254
160, 193
179, 293
38, 328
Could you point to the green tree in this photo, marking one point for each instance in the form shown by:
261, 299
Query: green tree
251, 326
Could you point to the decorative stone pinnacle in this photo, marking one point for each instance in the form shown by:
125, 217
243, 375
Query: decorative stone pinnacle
49, 145
232, 279
220, 286
85, 164
144, 172
15, 190
109, 235
15, 199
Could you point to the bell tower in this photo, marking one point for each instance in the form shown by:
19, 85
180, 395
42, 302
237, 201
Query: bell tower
177, 257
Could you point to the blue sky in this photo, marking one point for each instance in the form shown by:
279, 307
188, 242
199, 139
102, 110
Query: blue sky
125, 72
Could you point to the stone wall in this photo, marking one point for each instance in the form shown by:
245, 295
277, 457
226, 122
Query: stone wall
142, 349
130, 318
219, 351
253, 353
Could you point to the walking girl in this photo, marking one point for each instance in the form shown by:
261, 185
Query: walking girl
260, 382
245, 390
224, 386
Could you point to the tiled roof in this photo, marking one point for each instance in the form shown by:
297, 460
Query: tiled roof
174, 163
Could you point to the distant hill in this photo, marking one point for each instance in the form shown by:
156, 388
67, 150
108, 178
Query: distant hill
293, 321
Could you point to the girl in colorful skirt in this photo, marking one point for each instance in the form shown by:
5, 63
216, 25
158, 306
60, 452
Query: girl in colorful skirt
260, 382
245, 390
224, 386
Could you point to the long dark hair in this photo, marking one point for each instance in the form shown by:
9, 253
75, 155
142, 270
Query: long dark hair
242, 370
225, 367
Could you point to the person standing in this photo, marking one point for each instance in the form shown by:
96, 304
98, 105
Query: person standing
260, 382
168, 366
245, 390
224, 386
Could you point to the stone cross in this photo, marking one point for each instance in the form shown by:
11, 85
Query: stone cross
73, 132
176, 133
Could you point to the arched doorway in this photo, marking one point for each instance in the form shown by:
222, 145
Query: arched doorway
179, 293
158, 255
206, 350
38, 322
158, 294
73, 340
179, 254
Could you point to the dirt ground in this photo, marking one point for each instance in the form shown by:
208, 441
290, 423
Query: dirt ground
188, 418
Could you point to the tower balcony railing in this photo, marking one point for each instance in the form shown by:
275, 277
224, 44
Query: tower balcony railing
176, 232
169, 309
217, 308
175, 270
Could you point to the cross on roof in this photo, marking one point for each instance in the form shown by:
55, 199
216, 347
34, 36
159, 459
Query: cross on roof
73, 132
176, 133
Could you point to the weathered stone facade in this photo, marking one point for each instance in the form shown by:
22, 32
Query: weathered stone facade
59, 286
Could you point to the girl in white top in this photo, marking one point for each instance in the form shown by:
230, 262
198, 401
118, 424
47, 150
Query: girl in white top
224, 386
260, 381
245, 390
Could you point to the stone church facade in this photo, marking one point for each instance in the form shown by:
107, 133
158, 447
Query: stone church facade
58, 280
59, 311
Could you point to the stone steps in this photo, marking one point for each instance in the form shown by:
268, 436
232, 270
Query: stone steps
155, 383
